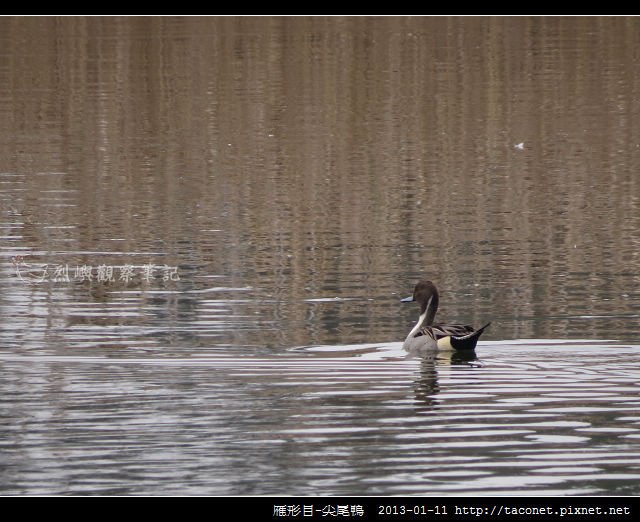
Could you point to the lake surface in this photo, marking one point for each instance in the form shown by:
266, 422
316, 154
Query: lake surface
207, 225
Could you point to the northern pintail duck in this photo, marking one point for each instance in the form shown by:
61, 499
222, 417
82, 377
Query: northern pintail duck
428, 336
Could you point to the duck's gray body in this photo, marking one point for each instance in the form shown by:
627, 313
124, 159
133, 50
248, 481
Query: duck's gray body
427, 336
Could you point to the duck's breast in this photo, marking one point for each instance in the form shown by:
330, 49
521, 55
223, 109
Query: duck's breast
421, 343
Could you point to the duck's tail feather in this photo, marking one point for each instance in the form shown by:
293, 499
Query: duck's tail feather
469, 341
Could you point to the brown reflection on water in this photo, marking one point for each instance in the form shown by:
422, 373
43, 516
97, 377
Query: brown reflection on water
306, 159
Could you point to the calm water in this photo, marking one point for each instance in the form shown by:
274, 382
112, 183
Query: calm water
207, 224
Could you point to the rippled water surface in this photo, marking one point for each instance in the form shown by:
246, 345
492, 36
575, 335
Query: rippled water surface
522, 417
207, 224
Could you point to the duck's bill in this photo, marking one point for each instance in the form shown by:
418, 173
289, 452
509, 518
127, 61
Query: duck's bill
407, 299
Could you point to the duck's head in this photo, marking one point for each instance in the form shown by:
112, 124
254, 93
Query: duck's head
426, 295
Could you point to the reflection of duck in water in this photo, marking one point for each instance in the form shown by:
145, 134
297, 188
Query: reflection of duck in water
427, 386
426, 336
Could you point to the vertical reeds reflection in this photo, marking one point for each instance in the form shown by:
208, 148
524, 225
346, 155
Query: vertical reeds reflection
313, 157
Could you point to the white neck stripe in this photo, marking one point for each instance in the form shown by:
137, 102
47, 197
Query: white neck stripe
416, 328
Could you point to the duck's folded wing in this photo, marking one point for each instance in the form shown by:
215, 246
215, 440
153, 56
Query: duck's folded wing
455, 330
